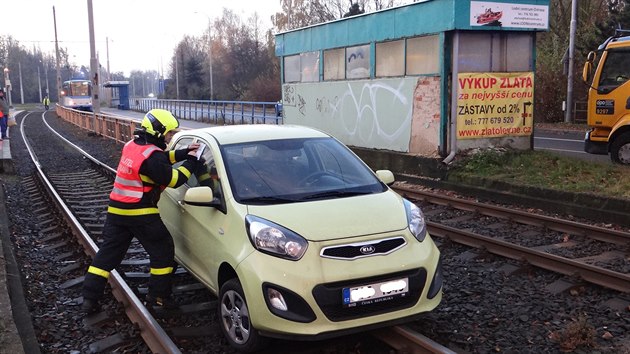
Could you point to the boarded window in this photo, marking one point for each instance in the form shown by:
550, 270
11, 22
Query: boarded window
309, 66
495, 52
358, 62
292, 68
423, 55
334, 68
390, 58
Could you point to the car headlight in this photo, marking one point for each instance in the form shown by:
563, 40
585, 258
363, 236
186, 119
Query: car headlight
274, 239
415, 218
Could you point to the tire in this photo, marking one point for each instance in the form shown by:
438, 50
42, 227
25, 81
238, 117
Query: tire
620, 149
235, 321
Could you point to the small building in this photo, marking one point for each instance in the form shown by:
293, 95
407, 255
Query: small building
428, 78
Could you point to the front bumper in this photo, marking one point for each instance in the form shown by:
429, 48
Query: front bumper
594, 147
312, 288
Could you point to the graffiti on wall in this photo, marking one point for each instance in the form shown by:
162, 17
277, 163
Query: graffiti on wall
373, 114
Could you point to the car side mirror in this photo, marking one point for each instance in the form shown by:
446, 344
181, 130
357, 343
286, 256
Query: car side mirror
386, 176
201, 196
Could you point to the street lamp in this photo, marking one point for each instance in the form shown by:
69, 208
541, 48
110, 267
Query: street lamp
7, 83
209, 52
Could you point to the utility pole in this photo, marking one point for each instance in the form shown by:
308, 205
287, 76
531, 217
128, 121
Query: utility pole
39, 84
21, 86
568, 113
46, 75
176, 75
57, 55
109, 75
94, 72
209, 52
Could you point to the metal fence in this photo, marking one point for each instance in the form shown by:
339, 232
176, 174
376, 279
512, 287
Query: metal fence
215, 112
212, 112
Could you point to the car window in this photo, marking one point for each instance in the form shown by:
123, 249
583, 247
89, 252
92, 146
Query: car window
206, 175
293, 170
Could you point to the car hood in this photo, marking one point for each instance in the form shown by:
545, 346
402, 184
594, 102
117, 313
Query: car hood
338, 218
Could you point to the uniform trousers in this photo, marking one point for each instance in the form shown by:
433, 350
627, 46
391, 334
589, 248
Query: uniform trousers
156, 240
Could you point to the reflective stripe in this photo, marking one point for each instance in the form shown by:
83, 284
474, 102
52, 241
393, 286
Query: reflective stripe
174, 178
150, 150
204, 177
132, 212
162, 271
146, 179
171, 156
184, 170
128, 182
127, 193
98, 271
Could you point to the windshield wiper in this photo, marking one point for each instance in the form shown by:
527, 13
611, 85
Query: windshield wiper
336, 194
268, 200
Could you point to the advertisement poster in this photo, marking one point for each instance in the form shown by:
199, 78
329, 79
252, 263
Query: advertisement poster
483, 13
493, 105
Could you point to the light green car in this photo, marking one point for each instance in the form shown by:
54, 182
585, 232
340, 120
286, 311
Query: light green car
297, 237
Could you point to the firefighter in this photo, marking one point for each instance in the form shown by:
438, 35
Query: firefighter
145, 169
46, 102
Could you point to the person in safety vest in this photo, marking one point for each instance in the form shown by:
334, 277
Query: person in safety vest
46, 102
145, 169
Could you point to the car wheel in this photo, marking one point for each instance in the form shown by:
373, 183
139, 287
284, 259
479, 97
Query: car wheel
235, 319
620, 149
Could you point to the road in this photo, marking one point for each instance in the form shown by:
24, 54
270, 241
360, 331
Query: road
568, 143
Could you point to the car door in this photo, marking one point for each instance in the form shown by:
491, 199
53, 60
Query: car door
171, 212
200, 227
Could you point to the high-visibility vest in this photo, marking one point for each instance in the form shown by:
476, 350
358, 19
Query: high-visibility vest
128, 186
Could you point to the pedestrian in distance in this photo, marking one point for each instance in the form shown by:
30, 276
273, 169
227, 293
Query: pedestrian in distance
145, 169
46, 102
4, 118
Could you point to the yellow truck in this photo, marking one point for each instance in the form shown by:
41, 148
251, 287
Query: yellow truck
609, 99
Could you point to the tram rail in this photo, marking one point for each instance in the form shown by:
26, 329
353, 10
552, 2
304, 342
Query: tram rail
593, 274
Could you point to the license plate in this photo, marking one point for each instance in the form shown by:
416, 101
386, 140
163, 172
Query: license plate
376, 292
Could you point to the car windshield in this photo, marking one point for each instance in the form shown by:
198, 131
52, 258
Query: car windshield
296, 170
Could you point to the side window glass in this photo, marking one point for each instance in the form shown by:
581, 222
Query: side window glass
181, 144
207, 175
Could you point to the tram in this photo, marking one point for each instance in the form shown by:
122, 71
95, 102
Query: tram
77, 94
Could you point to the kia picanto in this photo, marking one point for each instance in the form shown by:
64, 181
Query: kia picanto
297, 237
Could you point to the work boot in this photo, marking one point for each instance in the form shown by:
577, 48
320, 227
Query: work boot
159, 302
90, 306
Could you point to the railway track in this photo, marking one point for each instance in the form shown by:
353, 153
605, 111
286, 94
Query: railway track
81, 194
195, 327
595, 254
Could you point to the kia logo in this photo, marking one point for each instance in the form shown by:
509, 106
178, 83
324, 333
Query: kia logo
367, 249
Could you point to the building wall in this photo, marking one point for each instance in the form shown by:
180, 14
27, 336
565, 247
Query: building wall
401, 114
425, 126
365, 113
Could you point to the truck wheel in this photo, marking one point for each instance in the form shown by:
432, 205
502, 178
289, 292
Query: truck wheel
620, 149
235, 322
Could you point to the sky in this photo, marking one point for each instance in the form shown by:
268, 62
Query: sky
141, 33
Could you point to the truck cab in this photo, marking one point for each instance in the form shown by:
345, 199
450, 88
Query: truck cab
609, 99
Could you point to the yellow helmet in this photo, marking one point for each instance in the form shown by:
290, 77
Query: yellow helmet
158, 122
